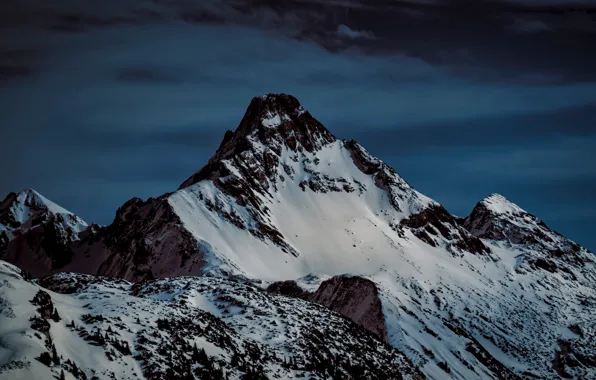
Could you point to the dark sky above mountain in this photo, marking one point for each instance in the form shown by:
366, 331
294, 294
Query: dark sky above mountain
103, 101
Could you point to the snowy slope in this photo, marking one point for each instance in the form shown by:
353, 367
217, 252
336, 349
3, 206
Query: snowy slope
314, 226
111, 329
521, 318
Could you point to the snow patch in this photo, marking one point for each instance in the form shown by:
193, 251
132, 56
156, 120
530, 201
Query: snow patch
501, 205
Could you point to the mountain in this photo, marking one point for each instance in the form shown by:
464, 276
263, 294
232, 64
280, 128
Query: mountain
502, 221
278, 200
36, 233
286, 205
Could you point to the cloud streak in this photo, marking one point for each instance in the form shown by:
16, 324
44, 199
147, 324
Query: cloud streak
346, 32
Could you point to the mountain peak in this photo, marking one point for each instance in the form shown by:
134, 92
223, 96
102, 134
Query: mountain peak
272, 122
497, 218
34, 198
272, 111
286, 103
491, 217
276, 121
36, 233
280, 119
17, 208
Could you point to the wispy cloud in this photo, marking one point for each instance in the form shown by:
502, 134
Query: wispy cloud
346, 32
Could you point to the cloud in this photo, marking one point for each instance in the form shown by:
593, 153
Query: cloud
345, 32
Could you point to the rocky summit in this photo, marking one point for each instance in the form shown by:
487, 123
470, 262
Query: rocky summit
292, 254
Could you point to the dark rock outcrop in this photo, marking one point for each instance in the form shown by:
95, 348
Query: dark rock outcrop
356, 298
486, 223
570, 356
289, 289
44, 303
147, 240
45, 247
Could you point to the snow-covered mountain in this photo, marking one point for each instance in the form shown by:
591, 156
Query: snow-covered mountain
494, 295
281, 198
36, 233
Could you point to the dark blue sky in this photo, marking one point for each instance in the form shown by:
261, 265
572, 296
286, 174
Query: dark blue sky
102, 103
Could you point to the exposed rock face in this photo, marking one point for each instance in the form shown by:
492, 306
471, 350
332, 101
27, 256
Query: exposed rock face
572, 355
44, 301
289, 288
4, 239
356, 298
435, 224
42, 248
496, 218
146, 240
